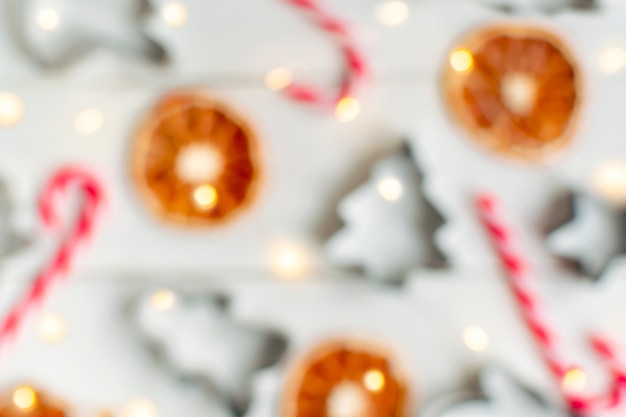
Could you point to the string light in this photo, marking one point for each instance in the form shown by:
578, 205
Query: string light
11, 109
462, 61
278, 78
610, 180
163, 300
289, 260
374, 380
392, 13
140, 407
174, 14
25, 398
347, 109
575, 380
52, 328
475, 338
48, 19
88, 121
205, 196
390, 188
612, 60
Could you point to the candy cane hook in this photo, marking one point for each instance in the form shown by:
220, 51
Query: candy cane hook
519, 279
356, 64
58, 267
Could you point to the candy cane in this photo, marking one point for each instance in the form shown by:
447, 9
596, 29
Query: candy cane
58, 267
519, 279
356, 66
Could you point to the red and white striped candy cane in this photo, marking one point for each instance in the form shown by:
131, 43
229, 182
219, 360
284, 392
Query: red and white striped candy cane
58, 267
520, 282
356, 65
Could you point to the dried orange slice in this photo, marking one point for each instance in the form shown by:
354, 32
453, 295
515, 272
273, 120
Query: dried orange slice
195, 161
26, 402
345, 379
516, 90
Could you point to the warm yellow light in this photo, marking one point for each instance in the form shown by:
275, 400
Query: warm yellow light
575, 380
11, 109
475, 338
289, 260
374, 380
610, 181
392, 13
25, 398
347, 109
205, 196
88, 121
174, 14
390, 188
348, 399
140, 407
52, 328
462, 61
612, 60
163, 300
519, 92
48, 19
278, 78
199, 163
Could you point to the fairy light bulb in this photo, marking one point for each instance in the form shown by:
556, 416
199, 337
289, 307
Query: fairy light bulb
24, 398
11, 109
205, 197
174, 14
278, 78
462, 61
140, 407
475, 338
609, 180
163, 300
48, 19
347, 109
52, 328
392, 13
612, 60
575, 380
390, 189
288, 260
88, 122
374, 380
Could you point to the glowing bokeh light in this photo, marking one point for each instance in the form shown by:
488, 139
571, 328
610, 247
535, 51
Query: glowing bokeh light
88, 122
374, 380
25, 398
163, 300
11, 109
174, 14
278, 78
347, 109
52, 328
462, 61
392, 13
475, 338
205, 196
48, 19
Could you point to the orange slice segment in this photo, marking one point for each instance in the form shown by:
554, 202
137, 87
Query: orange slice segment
345, 379
516, 90
195, 161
